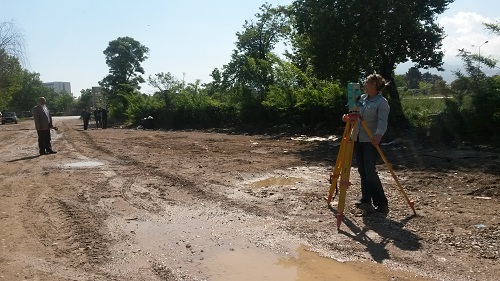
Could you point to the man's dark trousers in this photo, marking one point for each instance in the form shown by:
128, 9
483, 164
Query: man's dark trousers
44, 141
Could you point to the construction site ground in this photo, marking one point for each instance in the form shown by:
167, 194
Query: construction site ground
132, 204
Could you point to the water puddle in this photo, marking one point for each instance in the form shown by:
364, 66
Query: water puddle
279, 181
210, 244
220, 254
303, 265
248, 265
84, 164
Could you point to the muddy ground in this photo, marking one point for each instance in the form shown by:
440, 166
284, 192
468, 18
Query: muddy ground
127, 204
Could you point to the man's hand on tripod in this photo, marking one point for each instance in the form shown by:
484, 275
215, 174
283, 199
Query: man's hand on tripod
376, 139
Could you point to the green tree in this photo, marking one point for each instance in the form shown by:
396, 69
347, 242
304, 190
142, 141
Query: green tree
476, 96
431, 78
85, 99
482, 114
348, 39
10, 78
168, 86
123, 57
30, 89
252, 62
215, 88
493, 27
64, 102
11, 54
413, 77
400, 80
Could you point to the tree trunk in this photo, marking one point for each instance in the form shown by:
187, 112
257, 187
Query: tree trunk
397, 119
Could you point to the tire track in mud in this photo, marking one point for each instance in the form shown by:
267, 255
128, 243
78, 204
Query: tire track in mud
149, 188
141, 198
172, 188
14, 146
135, 183
71, 231
125, 174
84, 242
67, 224
146, 188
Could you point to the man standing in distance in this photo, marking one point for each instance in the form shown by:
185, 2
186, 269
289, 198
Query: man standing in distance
104, 118
85, 117
43, 124
97, 117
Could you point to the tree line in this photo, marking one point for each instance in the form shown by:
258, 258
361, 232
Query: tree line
331, 43
20, 88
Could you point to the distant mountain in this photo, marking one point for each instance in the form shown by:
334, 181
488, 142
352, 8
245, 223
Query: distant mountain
447, 74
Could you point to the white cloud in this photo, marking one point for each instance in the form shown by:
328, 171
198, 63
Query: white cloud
466, 30
464, 23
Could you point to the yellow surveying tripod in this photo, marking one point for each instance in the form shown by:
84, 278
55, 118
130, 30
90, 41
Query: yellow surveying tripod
342, 167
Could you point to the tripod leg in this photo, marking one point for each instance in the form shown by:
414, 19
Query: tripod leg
334, 176
401, 189
345, 173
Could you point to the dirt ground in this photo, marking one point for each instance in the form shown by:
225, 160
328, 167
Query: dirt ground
127, 204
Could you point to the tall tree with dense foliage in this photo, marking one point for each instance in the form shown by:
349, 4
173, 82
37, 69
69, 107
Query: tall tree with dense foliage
10, 78
64, 102
85, 99
251, 65
413, 77
11, 54
167, 85
348, 39
124, 57
29, 89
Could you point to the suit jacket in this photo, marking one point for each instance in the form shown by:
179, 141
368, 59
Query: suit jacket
42, 121
85, 115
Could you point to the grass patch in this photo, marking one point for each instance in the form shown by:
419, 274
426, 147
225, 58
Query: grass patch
420, 109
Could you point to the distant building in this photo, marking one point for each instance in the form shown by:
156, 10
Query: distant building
59, 87
96, 97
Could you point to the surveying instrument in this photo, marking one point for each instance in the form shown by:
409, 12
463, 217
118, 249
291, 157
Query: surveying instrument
342, 166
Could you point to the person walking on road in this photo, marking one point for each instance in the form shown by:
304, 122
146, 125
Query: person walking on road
43, 124
97, 117
104, 118
86, 118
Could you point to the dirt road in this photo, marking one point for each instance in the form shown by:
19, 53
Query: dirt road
121, 204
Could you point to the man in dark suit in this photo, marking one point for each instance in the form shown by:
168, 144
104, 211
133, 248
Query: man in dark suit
104, 118
97, 117
43, 124
85, 117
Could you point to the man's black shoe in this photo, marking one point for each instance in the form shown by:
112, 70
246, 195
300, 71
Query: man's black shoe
382, 210
366, 208
43, 153
360, 202
51, 152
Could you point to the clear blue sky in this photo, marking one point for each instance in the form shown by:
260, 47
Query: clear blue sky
65, 39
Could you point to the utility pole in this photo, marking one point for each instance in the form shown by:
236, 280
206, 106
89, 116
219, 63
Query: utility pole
479, 63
